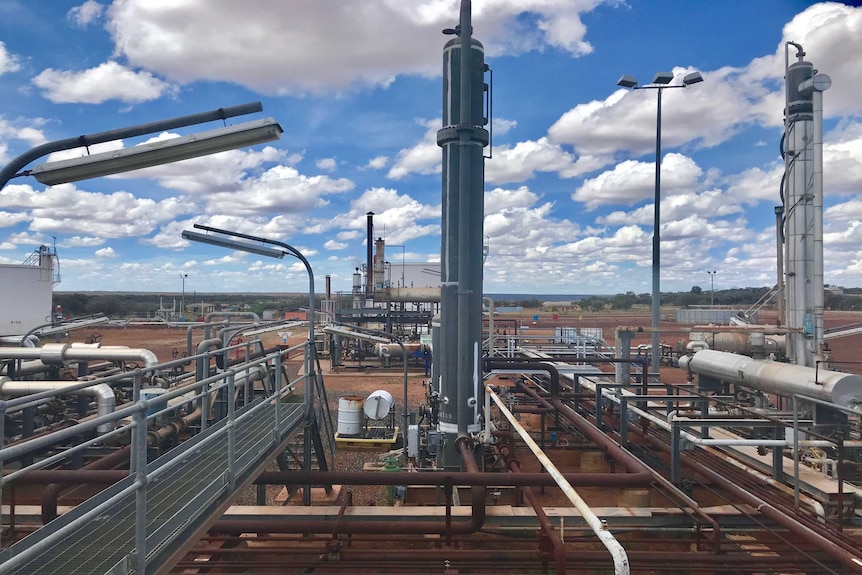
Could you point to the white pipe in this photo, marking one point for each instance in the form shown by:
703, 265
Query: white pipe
55, 353
696, 345
700, 440
786, 379
621, 560
102, 392
30, 341
817, 217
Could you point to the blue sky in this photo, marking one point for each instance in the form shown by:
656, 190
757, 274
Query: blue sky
357, 88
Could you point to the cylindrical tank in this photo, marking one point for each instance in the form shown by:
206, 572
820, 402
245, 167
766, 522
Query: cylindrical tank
378, 404
394, 350
350, 415
786, 379
379, 261
735, 342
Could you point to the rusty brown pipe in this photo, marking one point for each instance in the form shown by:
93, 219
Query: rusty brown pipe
839, 550
51, 494
631, 463
173, 427
573, 417
487, 479
544, 520
446, 527
653, 561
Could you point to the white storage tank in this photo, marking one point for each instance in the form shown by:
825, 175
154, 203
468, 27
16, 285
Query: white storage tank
350, 415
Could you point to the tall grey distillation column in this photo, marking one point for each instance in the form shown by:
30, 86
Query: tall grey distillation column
803, 208
462, 139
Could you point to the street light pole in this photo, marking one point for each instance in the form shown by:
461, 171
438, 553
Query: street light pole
712, 287
279, 252
183, 297
660, 82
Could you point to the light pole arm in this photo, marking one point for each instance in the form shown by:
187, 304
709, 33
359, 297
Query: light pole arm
11, 169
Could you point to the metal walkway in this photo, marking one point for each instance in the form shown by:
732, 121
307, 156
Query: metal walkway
182, 492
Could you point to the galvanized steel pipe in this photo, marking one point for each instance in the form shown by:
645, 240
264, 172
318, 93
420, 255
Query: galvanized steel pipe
621, 562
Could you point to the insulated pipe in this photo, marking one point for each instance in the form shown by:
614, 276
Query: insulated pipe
198, 325
57, 353
694, 439
29, 341
841, 389
201, 365
227, 314
819, 303
102, 393
548, 367
618, 553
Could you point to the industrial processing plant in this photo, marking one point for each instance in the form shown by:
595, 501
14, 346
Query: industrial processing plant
406, 426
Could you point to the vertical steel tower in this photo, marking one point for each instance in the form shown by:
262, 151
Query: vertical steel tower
802, 195
462, 139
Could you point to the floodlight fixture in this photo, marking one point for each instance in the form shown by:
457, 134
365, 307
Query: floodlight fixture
627, 81
233, 244
692, 78
663, 78
660, 83
344, 332
160, 152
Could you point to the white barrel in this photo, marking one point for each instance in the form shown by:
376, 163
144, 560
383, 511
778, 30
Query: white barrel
378, 404
350, 415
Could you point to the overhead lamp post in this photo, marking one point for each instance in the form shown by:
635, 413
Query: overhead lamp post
183, 297
660, 82
263, 248
712, 287
155, 153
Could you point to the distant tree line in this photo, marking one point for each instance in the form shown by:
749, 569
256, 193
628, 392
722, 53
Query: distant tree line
135, 305
851, 300
121, 305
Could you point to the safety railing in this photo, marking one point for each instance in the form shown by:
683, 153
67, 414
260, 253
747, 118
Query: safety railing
137, 523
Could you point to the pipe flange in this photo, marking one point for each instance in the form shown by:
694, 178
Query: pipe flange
54, 353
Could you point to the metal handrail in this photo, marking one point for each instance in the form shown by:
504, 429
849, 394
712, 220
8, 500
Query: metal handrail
143, 474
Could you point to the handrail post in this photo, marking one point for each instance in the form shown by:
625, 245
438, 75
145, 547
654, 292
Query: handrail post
231, 430
138, 463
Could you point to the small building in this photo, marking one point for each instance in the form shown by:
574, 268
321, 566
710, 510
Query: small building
295, 315
560, 306
201, 308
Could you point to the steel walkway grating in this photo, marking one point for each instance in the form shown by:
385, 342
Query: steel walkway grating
188, 491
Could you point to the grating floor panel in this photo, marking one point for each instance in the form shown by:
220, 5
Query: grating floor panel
97, 547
